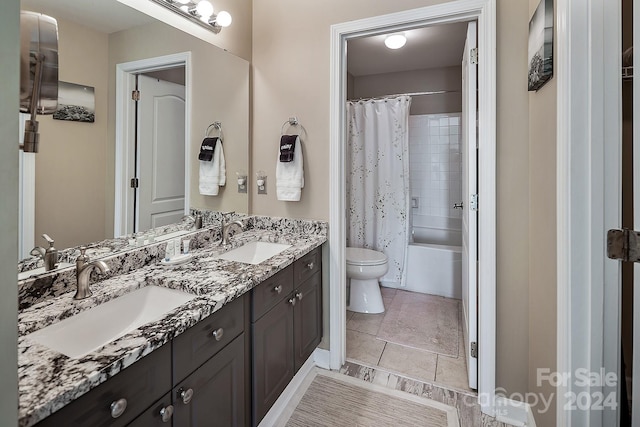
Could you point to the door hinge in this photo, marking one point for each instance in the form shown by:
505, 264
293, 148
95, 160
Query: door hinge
135, 95
623, 245
473, 203
135, 182
474, 349
473, 56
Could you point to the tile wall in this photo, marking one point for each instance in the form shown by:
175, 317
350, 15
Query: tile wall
435, 164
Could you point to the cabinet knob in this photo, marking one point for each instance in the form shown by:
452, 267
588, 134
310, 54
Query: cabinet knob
185, 395
118, 407
278, 289
310, 265
292, 301
299, 296
166, 413
218, 333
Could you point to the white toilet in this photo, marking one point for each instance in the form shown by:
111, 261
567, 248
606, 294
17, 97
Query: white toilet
364, 268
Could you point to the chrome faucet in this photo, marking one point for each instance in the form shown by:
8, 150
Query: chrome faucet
84, 267
197, 220
226, 227
49, 255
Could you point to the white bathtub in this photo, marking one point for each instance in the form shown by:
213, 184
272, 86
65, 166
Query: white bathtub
434, 260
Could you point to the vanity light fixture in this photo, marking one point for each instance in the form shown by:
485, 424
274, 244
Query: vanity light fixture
395, 41
199, 11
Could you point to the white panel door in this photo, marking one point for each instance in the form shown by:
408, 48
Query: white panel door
161, 148
469, 215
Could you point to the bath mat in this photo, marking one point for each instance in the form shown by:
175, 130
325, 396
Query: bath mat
336, 400
424, 322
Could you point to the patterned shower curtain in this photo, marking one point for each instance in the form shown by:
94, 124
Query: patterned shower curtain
378, 180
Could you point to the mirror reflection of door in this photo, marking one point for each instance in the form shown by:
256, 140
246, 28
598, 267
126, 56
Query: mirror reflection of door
160, 151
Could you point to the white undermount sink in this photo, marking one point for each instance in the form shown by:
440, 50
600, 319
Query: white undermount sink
40, 270
254, 252
89, 330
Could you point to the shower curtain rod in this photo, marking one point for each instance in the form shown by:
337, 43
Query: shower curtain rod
436, 92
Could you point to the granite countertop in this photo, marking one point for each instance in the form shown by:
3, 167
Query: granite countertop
49, 380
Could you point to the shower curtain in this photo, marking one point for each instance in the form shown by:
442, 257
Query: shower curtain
378, 180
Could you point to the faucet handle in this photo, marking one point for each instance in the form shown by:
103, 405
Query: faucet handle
82, 258
48, 239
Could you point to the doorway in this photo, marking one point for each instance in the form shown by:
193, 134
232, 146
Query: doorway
484, 12
430, 297
165, 199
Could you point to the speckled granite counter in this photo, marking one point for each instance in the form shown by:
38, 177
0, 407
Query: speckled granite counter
49, 380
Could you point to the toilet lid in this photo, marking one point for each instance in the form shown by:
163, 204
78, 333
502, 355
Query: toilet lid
361, 256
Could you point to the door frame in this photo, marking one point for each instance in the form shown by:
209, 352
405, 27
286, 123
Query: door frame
484, 11
126, 130
588, 199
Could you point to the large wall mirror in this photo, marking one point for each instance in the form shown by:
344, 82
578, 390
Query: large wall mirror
80, 168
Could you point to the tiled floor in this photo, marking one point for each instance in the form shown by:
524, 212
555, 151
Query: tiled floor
365, 346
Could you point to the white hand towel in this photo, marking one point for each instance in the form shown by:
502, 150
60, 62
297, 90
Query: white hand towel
290, 176
213, 174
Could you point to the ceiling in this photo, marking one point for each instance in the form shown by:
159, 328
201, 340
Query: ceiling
435, 46
107, 16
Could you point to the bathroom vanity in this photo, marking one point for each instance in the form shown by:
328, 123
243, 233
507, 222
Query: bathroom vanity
210, 361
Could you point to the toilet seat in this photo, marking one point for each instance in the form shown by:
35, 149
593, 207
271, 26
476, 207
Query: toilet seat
362, 256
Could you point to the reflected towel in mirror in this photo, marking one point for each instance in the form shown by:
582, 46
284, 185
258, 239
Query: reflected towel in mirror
213, 173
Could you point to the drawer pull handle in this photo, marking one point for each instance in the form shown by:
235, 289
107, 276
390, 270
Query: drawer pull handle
118, 407
292, 301
185, 395
218, 333
299, 296
166, 413
310, 265
278, 289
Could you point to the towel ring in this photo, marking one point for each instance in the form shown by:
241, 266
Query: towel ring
216, 125
293, 121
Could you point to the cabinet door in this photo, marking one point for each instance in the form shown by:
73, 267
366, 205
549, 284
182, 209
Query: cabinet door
214, 393
273, 364
307, 318
130, 392
160, 414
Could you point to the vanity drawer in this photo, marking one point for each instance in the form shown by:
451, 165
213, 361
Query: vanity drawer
140, 385
270, 292
307, 266
197, 344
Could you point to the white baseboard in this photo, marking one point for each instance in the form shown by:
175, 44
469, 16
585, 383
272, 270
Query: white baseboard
280, 405
515, 413
322, 358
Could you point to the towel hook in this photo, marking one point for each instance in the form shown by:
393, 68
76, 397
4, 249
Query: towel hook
216, 125
292, 121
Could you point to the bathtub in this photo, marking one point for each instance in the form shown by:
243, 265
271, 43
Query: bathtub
434, 259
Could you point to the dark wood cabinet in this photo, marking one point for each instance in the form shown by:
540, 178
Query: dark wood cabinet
307, 319
130, 392
286, 333
160, 414
213, 395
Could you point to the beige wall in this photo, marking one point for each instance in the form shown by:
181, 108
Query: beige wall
542, 242
291, 76
9, 69
512, 186
433, 79
70, 170
220, 93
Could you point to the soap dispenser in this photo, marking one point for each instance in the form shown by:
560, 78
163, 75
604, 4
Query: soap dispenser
50, 255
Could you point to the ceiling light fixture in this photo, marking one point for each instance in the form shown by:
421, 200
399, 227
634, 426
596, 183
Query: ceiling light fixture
395, 41
199, 11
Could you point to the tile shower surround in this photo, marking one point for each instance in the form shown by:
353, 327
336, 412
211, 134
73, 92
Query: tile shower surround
435, 163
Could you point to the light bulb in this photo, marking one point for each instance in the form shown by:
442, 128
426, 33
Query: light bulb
184, 8
223, 19
204, 9
395, 41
